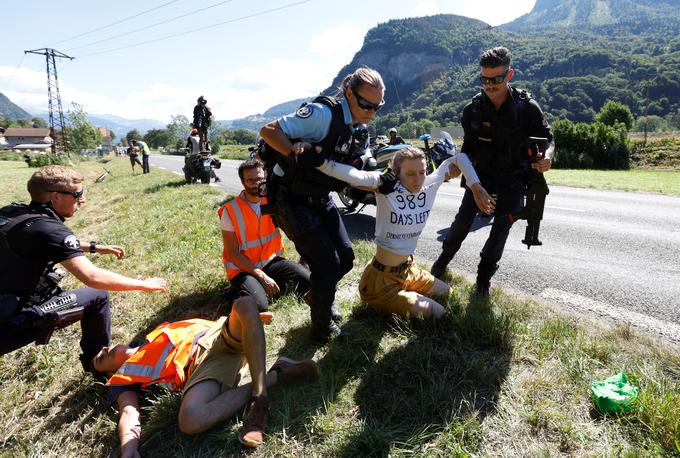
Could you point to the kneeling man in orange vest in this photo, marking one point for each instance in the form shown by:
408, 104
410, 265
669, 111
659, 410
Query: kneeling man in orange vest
253, 247
204, 359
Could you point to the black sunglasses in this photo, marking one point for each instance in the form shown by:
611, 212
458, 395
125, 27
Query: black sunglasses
74, 194
498, 79
365, 104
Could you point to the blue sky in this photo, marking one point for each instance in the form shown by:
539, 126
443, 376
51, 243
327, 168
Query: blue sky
242, 67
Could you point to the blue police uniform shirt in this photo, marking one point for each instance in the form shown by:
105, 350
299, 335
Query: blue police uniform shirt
312, 122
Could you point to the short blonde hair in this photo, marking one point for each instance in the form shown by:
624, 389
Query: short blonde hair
361, 76
403, 154
53, 177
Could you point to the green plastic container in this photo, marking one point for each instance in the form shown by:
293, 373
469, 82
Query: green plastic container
613, 395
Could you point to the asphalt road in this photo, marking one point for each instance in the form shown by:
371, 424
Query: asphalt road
609, 253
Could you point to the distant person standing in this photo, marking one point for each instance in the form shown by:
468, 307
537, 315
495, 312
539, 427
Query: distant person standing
144, 149
194, 142
133, 154
202, 115
394, 138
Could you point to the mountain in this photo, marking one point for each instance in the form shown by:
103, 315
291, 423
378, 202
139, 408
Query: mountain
256, 121
633, 16
119, 126
10, 110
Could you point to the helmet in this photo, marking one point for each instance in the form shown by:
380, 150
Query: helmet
446, 141
201, 99
393, 130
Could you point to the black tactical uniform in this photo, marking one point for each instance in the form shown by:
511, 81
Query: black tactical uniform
37, 239
496, 142
307, 214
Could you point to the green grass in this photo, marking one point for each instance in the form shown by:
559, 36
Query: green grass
507, 377
657, 181
237, 152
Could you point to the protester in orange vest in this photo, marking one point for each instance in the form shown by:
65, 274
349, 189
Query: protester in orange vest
205, 360
253, 245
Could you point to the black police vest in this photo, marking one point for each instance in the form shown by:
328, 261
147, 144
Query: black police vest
500, 149
17, 275
309, 182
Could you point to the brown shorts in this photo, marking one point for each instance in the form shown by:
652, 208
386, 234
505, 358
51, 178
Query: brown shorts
394, 289
219, 357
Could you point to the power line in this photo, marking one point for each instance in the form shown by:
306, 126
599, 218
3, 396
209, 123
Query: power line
147, 27
117, 22
199, 29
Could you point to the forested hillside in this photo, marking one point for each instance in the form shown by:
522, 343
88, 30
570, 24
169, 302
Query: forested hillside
574, 55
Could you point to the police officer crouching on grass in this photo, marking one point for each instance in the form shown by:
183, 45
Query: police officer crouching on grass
497, 125
253, 245
33, 239
334, 127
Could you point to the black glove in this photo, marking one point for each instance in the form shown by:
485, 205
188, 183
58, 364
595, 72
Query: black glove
388, 181
310, 159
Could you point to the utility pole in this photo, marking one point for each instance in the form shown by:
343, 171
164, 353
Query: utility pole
57, 126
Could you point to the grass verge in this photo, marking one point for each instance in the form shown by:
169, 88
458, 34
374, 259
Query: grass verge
507, 377
658, 181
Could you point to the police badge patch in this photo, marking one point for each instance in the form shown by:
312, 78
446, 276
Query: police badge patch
72, 242
305, 111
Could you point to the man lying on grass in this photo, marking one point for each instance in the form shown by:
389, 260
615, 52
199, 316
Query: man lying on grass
204, 359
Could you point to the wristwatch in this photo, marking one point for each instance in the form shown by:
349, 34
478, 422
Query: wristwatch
93, 247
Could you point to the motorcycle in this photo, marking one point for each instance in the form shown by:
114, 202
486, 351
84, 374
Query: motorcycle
374, 159
439, 152
200, 166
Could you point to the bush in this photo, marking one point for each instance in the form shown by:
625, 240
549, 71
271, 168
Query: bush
40, 160
597, 145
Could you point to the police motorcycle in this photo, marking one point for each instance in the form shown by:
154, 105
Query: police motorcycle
375, 158
442, 149
200, 166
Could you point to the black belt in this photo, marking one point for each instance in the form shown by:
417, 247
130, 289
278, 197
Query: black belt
392, 269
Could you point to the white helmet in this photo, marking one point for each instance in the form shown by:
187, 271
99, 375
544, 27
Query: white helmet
446, 141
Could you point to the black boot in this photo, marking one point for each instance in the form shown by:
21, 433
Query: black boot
439, 267
483, 283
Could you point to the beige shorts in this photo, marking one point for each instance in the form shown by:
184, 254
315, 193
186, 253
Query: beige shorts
394, 289
219, 357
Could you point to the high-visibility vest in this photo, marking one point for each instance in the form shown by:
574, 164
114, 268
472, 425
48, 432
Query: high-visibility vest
165, 357
258, 238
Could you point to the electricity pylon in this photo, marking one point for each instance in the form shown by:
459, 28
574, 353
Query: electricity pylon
57, 126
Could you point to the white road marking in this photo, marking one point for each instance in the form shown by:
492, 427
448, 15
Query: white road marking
162, 168
566, 208
177, 173
661, 327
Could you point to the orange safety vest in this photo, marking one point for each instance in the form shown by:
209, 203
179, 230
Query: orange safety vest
258, 238
165, 357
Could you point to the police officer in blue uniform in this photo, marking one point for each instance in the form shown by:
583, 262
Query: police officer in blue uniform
497, 124
330, 127
33, 239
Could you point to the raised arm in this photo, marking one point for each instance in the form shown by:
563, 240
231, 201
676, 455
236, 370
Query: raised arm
460, 160
129, 425
351, 175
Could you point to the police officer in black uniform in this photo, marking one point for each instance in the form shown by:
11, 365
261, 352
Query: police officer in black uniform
33, 239
330, 127
497, 124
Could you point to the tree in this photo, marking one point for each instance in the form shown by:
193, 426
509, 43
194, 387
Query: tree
81, 134
133, 135
613, 112
178, 129
158, 138
39, 123
244, 137
112, 134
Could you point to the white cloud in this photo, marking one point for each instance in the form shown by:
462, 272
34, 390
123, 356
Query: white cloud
426, 8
